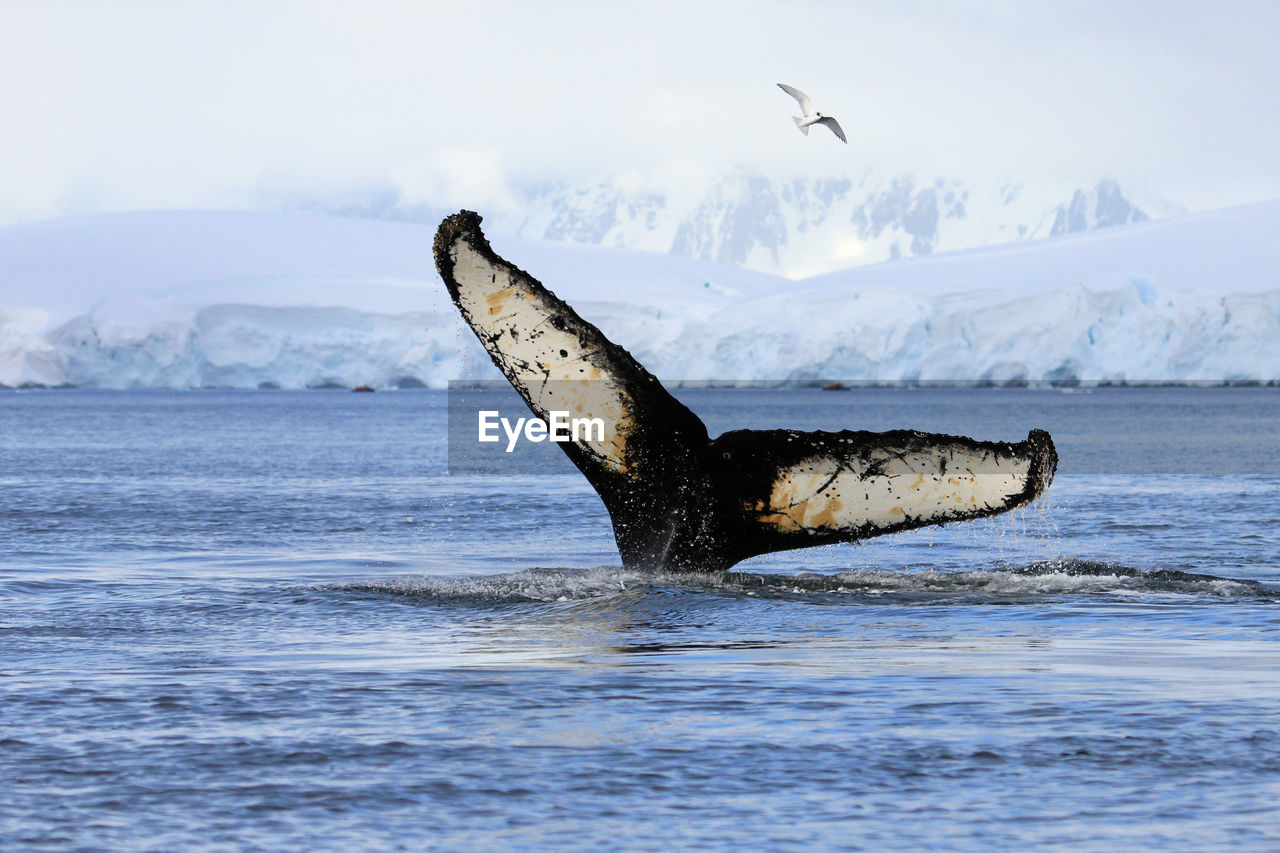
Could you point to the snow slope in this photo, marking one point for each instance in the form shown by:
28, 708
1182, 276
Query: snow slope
199, 299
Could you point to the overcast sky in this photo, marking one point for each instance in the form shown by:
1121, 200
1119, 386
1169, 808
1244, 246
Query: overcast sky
120, 105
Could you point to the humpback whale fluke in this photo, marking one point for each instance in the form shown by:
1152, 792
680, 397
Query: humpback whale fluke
682, 501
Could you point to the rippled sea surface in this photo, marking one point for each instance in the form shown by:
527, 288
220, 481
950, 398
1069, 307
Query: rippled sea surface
270, 620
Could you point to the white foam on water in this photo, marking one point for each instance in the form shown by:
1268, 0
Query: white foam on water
1065, 577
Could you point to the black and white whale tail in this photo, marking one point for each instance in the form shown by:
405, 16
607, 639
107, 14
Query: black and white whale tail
680, 500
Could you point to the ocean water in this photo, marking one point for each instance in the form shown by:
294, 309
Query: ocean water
270, 620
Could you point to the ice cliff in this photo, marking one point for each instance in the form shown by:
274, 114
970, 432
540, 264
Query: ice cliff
235, 299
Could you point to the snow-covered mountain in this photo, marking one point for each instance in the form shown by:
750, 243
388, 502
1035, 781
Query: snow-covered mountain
806, 226
797, 227
199, 299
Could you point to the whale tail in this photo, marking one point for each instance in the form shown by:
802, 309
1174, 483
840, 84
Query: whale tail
804, 128
680, 500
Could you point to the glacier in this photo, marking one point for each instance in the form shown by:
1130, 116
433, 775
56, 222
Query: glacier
196, 299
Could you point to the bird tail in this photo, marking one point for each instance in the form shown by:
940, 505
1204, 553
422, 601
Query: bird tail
799, 123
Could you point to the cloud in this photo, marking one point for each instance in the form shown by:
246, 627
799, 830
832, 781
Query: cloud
202, 104
458, 177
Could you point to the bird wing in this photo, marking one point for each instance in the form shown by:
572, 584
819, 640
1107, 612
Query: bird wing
559, 362
806, 106
834, 125
795, 489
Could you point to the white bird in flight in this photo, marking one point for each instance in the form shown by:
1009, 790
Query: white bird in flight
811, 117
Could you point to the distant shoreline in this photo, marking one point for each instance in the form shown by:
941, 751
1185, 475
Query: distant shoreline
744, 385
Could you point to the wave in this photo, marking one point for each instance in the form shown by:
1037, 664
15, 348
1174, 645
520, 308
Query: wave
1036, 581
